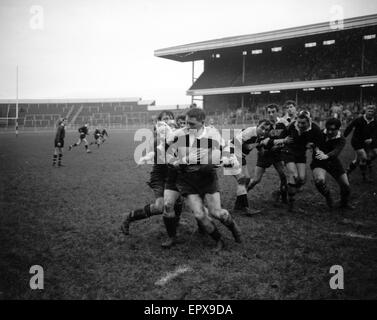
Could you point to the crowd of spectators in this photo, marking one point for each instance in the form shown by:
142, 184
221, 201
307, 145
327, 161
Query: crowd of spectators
343, 59
346, 111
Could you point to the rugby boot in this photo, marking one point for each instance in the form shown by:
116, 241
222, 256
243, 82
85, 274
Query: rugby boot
131, 216
330, 201
171, 229
236, 232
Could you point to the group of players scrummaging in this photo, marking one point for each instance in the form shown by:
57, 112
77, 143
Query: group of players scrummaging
281, 142
100, 137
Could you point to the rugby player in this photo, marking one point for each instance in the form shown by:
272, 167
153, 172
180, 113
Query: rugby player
289, 111
83, 131
249, 138
363, 141
198, 153
158, 179
59, 143
103, 135
181, 121
325, 159
97, 137
302, 134
269, 153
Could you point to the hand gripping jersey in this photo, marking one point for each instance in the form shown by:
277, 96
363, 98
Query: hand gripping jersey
278, 131
248, 139
195, 149
300, 139
331, 147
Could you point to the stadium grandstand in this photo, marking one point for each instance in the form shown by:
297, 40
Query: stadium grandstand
320, 66
44, 113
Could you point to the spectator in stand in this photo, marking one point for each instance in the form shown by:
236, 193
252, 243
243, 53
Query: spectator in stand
336, 111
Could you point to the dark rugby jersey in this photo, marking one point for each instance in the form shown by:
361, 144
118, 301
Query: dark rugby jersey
300, 140
363, 129
60, 134
279, 131
83, 130
332, 147
104, 133
97, 133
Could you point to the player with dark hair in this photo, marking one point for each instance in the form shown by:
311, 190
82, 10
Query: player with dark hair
270, 152
302, 134
59, 143
363, 141
198, 152
158, 177
181, 120
248, 139
83, 131
325, 160
289, 111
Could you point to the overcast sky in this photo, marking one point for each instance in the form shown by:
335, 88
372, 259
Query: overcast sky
98, 48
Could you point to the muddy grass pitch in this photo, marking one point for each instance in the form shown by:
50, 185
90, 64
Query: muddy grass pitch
67, 221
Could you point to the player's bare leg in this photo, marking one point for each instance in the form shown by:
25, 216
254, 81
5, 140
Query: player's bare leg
372, 155
215, 210
76, 144
196, 205
86, 146
319, 176
292, 189
279, 167
344, 192
171, 216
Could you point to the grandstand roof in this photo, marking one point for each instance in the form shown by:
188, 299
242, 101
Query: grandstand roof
194, 51
286, 86
74, 100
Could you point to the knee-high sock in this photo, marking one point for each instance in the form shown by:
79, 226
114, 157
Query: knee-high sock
363, 169
171, 226
291, 191
178, 210
352, 166
54, 157
60, 159
322, 188
283, 188
142, 213
345, 192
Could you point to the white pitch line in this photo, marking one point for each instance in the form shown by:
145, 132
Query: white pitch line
171, 275
354, 235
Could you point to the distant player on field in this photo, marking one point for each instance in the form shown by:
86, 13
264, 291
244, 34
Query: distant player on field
104, 135
97, 137
83, 131
59, 143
